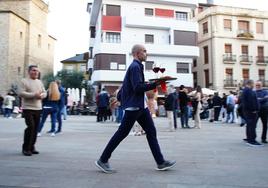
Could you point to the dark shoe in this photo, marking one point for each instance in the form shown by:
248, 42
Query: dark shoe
58, 132
254, 144
26, 153
50, 131
245, 139
166, 165
35, 152
242, 124
105, 167
264, 141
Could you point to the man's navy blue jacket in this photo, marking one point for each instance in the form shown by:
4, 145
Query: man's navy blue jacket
133, 88
249, 101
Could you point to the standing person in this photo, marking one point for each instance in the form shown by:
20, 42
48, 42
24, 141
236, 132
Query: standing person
169, 107
175, 110
61, 105
183, 101
262, 96
1, 104
132, 100
198, 97
50, 106
8, 105
223, 108
103, 104
217, 103
230, 102
250, 110
32, 92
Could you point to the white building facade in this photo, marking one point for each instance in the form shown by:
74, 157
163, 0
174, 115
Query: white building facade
233, 47
164, 27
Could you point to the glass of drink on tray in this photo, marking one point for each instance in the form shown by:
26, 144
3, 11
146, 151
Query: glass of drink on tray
156, 70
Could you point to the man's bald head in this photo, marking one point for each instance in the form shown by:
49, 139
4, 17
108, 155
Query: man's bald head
139, 52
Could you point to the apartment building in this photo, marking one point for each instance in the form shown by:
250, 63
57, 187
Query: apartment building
233, 46
163, 26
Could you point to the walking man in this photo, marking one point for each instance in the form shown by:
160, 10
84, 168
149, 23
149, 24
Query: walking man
32, 92
250, 110
132, 99
262, 96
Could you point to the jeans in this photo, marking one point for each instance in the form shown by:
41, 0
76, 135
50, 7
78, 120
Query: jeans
119, 115
230, 112
46, 111
32, 119
143, 117
175, 113
64, 112
184, 116
8, 112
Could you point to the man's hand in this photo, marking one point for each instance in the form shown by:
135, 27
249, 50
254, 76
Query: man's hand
38, 95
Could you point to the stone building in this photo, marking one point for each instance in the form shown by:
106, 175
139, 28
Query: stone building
233, 46
24, 40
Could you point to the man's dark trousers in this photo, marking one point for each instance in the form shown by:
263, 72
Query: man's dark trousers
251, 120
143, 117
32, 119
263, 114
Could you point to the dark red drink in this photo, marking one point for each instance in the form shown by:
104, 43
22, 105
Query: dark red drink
156, 69
162, 70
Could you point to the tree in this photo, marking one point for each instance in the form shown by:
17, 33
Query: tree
71, 79
48, 78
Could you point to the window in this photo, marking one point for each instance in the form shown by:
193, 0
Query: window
229, 73
259, 27
69, 68
243, 26
83, 68
194, 63
206, 60
182, 67
244, 50
228, 48
112, 37
206, 71
149, 11
260, 57
39, 40
182, 16
195, 79
92, 31
149, 38
261, 74
149, 65
113, 65
245, 74
227, 24
113, 10
205, 27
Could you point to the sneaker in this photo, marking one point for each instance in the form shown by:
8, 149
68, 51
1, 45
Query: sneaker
254, 144
26, 153
52, 134
58, 132
264, 141
105, 167
166, 165
35, 152
39, 134
245, 139
48, 132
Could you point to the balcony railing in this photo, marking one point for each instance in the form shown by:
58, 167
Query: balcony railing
229, 83
246, 58
245, 34
228, 57
262, 59
264, 83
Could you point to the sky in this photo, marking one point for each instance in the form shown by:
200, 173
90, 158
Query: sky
68, 22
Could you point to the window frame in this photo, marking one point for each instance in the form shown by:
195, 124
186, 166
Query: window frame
182, 70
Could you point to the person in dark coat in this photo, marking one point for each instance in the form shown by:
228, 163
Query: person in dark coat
132, 98
183, 102
262, 96
250, 110
217, 103
103, 104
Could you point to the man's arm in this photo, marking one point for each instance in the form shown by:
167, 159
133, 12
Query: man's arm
23, 91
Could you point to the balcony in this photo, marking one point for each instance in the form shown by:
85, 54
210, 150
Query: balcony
245, 34
264, 83
246, 59
229, 58
152, 22
230, 83
262, 60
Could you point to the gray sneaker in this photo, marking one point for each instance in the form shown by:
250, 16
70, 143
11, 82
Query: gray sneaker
105, 167
166, 165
